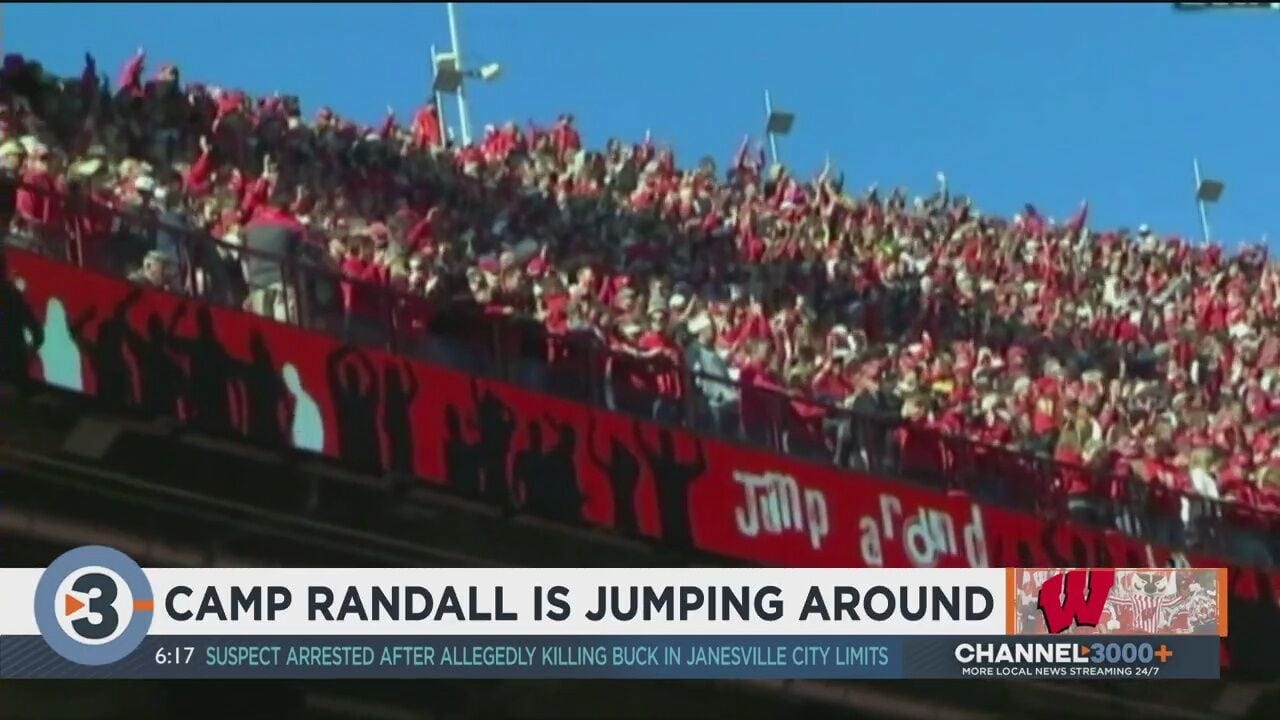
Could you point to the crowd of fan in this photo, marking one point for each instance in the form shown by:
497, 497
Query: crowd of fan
1123, 351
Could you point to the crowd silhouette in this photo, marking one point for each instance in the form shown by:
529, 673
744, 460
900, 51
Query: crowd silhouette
182, 368
497, 424
353, 387
400, 389
113, 376
163, 382
263, 396
210, 371
21, 334
152, 366
623, 470
546, 477
373, 409
542, 475
462, 463
672, 480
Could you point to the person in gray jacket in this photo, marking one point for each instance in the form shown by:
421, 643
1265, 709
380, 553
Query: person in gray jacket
716, 401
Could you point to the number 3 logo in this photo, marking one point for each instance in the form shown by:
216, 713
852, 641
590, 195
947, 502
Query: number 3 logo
103, 619
93, 605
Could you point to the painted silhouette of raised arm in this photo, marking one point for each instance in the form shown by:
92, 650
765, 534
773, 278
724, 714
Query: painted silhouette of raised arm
137, 344
596, 459
178, 313
77, 326
369, 376
411, 385
648, 452
700, 464
334, 362
128, 302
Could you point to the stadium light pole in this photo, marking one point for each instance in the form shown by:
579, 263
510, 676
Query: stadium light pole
1207, 191
457, 59
776, 123
449, 75
435, 91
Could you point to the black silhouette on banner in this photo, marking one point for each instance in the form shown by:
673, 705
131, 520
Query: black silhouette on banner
497, 429
561, 480
546, 478
400, 389
268, 406
211, 402
623, 470
163, 381
528, 470
106, 351
17, 322
462, 462
672, 480
353, 387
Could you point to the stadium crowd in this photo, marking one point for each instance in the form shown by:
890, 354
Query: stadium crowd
1128, 354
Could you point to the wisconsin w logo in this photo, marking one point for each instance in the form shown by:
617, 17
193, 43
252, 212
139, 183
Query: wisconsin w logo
1081, 600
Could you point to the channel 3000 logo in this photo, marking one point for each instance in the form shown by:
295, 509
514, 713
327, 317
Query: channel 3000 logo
93, 605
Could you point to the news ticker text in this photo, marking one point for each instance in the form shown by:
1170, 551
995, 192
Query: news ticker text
632, 657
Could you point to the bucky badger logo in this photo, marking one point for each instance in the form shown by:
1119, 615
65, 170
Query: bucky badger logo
1151, 602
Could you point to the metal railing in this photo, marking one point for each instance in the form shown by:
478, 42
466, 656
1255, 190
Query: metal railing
308, 292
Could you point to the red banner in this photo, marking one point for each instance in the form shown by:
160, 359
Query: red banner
232, 372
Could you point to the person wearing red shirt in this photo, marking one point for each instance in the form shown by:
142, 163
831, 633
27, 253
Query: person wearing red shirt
760, 390
273, 238
413, 312
565, 137
39, 200
664, 370
426, 128
363, 292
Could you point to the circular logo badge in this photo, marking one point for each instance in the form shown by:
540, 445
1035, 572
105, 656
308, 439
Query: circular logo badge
93, 605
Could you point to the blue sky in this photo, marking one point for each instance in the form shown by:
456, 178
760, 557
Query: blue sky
1042, 103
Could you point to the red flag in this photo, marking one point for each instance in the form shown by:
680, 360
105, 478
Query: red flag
1078, 220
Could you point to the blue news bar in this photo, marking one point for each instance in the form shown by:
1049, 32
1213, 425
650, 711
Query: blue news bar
633, 657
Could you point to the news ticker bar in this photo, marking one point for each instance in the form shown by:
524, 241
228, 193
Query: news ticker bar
582, 657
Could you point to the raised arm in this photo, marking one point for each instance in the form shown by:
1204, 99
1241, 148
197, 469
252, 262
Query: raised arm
740, 157
123, 307
135, 341
335, 361
597, 459
178, 313
366, 364
78, 325
388, 129
411, 386
640, 442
